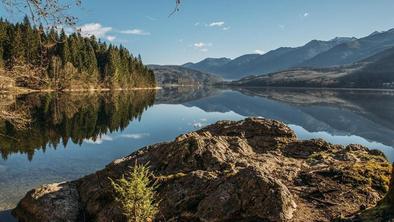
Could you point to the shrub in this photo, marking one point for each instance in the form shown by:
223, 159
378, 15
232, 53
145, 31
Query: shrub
135, 193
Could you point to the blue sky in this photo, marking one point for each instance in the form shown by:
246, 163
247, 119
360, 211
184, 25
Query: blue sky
227, 28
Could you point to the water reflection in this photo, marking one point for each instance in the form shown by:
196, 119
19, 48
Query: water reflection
367, 114
62, 117
74, 134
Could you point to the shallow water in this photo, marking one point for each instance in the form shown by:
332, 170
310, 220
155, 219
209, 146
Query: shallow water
76, 134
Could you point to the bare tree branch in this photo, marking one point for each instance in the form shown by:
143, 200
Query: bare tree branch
53, 13
177, 5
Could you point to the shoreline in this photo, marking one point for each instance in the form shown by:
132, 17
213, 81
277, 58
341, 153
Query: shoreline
27, 91
305, 87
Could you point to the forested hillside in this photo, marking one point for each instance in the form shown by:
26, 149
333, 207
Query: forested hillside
36, 58
182, 76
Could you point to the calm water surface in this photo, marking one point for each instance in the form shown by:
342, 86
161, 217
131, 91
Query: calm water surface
76, 134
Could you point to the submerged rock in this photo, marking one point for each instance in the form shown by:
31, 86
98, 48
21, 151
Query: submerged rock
251, 170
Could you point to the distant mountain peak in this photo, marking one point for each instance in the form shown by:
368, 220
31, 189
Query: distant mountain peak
375, 33
217, 59
343, 39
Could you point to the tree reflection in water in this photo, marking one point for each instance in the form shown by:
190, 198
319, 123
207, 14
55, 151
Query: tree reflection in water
60, 117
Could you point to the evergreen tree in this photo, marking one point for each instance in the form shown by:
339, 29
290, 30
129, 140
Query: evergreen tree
17, 48
70, 61
63, 48
3, 36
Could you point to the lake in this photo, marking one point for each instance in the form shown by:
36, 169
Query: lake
74, 134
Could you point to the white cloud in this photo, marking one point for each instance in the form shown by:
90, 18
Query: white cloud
198, 125
95, 29
306, 14
203, 47
99, 140
282, 26
135, 32
226, 28
135, 135
259, 51
196, 24
199, 45
216, 24
111, 38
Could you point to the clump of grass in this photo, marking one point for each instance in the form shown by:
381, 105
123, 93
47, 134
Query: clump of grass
376, 174
135, 192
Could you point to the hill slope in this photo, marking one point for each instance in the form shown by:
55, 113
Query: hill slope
353, 51
374, 72
177, 75
209, 65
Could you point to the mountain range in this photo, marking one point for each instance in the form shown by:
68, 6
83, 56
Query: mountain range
376, 71
339, 51
181, 76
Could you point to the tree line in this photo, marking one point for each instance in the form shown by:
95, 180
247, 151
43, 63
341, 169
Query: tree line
38, 58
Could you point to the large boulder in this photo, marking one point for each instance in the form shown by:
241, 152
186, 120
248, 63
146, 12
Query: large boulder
250, 170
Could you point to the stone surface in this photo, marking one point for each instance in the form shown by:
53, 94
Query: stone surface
53, 202
251, 170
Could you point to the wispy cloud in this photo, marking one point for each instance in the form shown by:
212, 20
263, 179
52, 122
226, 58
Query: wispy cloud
99, 140
95, 29
202, 46
150, 18
135, 135
135, 32
216, 24
306, 14
199, 123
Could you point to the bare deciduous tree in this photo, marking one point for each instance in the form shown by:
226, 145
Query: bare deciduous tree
27, 75
53, 13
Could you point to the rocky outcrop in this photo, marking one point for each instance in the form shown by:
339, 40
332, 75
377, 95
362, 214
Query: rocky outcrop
251, 170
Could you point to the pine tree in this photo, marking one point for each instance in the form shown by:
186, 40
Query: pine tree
62, 60
63, 49
90, 63
27, 34
3, 30
17, 48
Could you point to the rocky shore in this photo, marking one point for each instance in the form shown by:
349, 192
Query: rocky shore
251, 170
